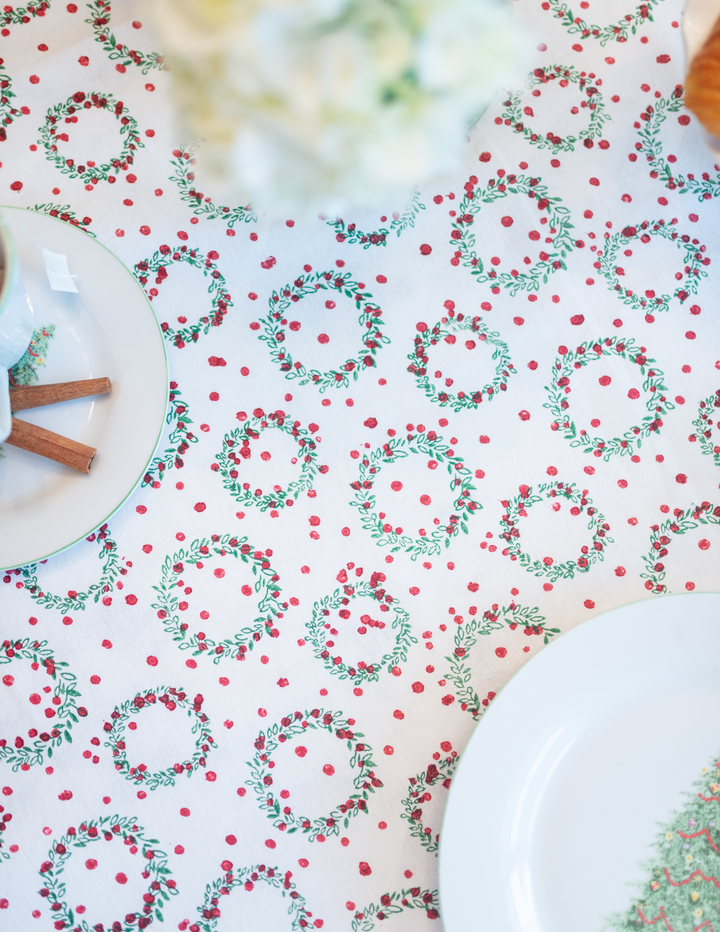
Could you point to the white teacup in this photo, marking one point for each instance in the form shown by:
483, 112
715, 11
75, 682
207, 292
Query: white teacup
16, 322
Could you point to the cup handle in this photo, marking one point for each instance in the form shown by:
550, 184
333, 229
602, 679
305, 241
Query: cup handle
5, 413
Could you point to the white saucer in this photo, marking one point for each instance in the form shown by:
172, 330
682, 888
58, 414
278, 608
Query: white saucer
560, 793
107, 329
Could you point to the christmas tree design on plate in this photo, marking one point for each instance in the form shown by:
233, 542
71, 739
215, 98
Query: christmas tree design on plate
681, 889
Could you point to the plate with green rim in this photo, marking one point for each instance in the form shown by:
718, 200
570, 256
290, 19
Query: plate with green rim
588, 797
107, 328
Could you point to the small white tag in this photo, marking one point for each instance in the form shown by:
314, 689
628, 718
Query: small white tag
58, 272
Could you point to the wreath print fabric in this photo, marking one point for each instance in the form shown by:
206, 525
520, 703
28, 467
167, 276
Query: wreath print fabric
404, 450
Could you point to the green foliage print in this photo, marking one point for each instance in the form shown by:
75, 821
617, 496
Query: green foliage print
448, 329
615, 32
247, 878
17, 15
661, 536
198, 554
349, 233
515, 114
337, 283
295, 725
99, 20
650, 145
366, 918
64, 112
418, 794
157, 265
125, 831
237, 447
179, 440
680, 887
182, 162
319, 627
5, 819
579, 503
63, 710
657, 403
65, 213
439, 453
703, 425
8, 112
172, 699
552, 256
693, 260
466, 636
24, 372
75, 600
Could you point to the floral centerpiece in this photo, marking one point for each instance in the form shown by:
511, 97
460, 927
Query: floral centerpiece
323, 104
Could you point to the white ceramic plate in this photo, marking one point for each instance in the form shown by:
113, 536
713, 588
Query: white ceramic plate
558, 796
107, 329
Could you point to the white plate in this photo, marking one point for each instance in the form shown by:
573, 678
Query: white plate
559, 794
107, 329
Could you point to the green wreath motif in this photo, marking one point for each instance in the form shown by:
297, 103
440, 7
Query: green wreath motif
266, 586
65, 709
558, 221
397, 448
350, 234
171, 698
75, 601
99, 19
703, 427
203, 206
16, 16
8, 113
5, 817
693, 262
619, 32
650, 144
247, 877
517, 507
78, 102
514, 114
240, 438
443, 772
108, 828
657, 404
360, 672
369, 321
157, 265
292, 726
446, 330
364, 920
179, 438
494, 619
682, 520
65, 213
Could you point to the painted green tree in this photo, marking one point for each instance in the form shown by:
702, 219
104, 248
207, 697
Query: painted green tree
24, 372
681, 889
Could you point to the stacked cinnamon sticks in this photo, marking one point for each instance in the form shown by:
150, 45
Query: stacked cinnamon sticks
45, 443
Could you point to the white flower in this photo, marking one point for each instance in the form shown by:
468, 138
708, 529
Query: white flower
321, 104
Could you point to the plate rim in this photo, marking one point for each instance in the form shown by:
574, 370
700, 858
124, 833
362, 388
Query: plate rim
533, 663
133, 488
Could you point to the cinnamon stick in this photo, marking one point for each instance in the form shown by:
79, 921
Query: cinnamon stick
52, 446
23, 397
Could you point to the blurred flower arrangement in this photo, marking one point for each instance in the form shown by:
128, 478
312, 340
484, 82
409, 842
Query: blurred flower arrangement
330, 104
